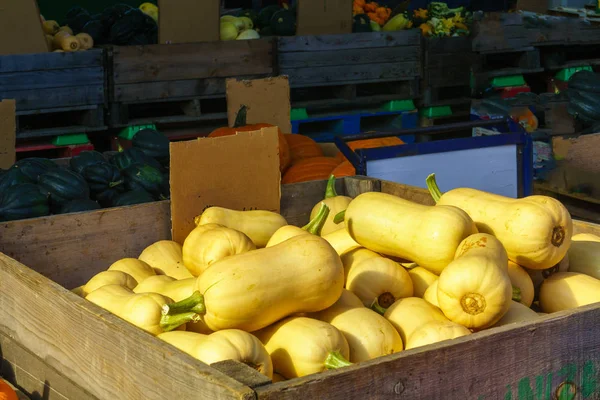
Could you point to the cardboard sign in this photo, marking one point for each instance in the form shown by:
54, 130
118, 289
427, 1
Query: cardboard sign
240, 172
188, 21
268, 101
21, 28
324, 17
8, 128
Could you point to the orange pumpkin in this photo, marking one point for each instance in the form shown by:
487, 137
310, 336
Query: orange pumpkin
7, 392
302, 147
344, 169
310, 169
370, 144
241, 126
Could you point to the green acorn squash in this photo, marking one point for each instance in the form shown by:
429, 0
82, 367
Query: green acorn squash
34, 167
132, 197
102, 176
265, 15
107, 197
23, 201
79, 205
146, 178
133, 156
63, 185
12, 177
84, 159
283, 23
153, 143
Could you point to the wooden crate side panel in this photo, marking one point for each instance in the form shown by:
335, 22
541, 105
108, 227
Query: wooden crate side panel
98, 351
344, 42
69, 249
56, 97
371, 56
135, 64
455, 45
514, 361
53, 78
50, 61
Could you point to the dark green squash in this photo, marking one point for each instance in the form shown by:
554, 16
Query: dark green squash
23, 201
79, 205
147, 178
12, 177
253, 15
132, 197
265, 15
153, 143
84, 159
283, 23
63, 185
107, 197
102, 176
362, 23
131, 156
34, 167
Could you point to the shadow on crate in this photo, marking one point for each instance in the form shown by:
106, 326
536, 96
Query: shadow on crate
59, 121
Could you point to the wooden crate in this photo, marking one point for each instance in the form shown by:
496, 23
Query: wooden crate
500, 32
392, 59
62, 343
56, 93
179, 83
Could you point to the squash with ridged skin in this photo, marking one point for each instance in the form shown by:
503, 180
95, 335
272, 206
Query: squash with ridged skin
302, 147
103, 176
34, 167
85, 159
344, 169
63, 185
310, 169
23, 201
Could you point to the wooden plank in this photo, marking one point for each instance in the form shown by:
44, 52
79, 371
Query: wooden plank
242, 373
53, 245
169, 90
92, 94
448, 45
135, 64
512, 360
54, 78
109, 357
349, 57
352, 74
344, 42
50, 61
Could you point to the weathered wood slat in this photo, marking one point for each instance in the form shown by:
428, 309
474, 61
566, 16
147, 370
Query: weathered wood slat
54, 78
135, 64
73, 96
453, 45
49, 61
349, 57
345, 42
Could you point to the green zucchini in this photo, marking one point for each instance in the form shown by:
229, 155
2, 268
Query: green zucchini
23, 201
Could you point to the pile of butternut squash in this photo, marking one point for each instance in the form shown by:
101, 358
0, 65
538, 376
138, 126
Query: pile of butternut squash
61, 38
366, 277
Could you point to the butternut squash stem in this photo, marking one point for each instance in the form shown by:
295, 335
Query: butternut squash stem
117, 183
316, 224
193, 304
171, 322
335, 359
516, 294
377, 308
339, 217
330, 190
433, 187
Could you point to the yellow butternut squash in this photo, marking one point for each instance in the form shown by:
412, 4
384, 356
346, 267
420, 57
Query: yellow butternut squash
567, 290
50, 27
341, 241
347, 300
255, 289
430, 295
258, 225
396, 227
167, 286
142, 310
523, 290
435, 332
475, 290
421, 279
204, 247
166, 258
535, 231
584, 255
229, 344
278, 378
86, 42
301, 346
407, 315
138, 269
379, 282
518, 312
105, 278
355, 257
336, 204
65, 41
313, 227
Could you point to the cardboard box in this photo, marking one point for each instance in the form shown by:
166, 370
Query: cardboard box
188, 21
324, 17
8, 129
21, 28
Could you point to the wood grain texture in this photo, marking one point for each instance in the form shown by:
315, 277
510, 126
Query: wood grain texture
135, 64
350, 56
54, 78
169, 90
98, 351
56, 97
50, 61
355, 41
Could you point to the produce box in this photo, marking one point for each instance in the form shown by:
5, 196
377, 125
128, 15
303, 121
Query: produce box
56, 93
555, 355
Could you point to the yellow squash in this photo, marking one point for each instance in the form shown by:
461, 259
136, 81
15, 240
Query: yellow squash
255, 289
431, 294
475, 290
379, 282
523, 290
355, 257
278, 378
203, 247
567, 290
396, 227
166, 258
347, 300
302, 346
335, 203
138, 269
435, 332
517, 313
229, 344
421, 279
407, 315
584, 255
258, 225
535, 231
167, 286
105, 278
341, 241
313, 227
